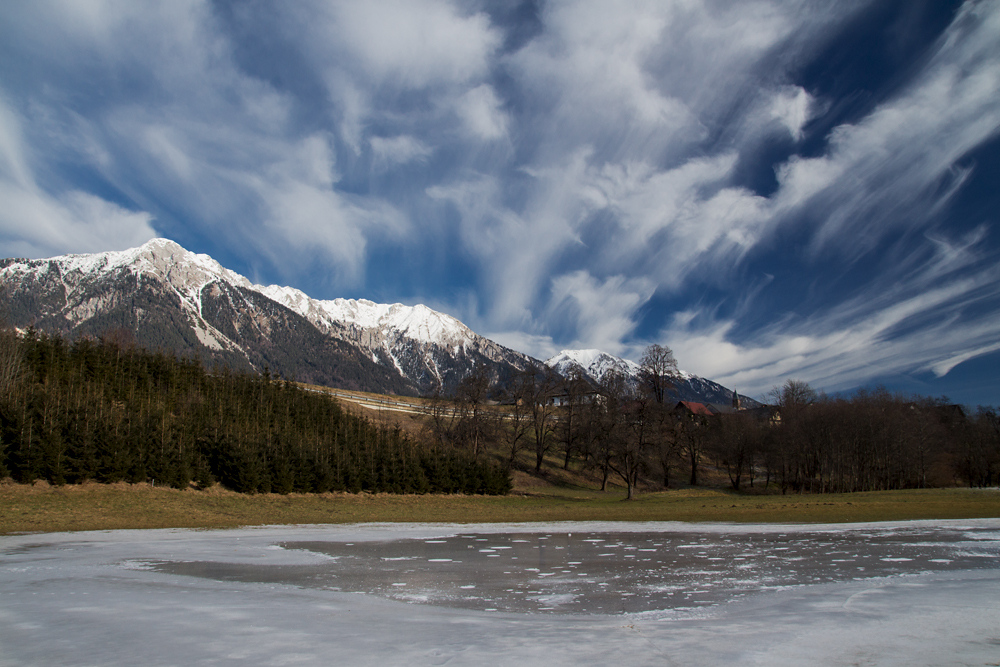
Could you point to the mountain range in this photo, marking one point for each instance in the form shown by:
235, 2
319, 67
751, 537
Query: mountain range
595, 364
165, 297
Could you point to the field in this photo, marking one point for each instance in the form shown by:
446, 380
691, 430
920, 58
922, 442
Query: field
41, 508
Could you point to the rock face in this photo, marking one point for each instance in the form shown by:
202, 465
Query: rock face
173, 299
429, 348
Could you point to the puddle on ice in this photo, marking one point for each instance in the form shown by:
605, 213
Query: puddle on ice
587, 573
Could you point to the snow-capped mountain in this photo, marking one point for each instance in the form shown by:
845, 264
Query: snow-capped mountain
428, 347
173, 299
687, 387
594, 363
188, 303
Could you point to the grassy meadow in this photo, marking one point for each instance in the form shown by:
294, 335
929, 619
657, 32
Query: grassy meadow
43, 508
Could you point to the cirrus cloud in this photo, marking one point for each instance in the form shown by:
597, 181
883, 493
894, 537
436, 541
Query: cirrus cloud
773, 188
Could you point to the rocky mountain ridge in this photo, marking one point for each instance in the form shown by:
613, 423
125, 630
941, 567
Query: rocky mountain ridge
166, 297
687, 387
172, 298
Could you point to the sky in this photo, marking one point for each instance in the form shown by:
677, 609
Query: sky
773, 188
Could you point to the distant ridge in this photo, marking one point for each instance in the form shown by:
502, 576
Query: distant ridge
595, 364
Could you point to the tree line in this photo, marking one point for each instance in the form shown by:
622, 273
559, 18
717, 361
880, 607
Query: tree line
634, 430
106, 410
870, 441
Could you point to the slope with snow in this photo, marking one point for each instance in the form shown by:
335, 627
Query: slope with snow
432, 349
176, 295
188, 302
596, 364
83, 287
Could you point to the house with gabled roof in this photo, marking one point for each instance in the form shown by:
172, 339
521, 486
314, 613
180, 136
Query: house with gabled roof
692, 409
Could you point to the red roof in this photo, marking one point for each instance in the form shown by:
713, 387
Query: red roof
696, 408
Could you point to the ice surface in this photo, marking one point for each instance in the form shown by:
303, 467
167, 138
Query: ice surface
567, 593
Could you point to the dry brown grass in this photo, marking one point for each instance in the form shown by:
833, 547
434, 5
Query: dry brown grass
43, 508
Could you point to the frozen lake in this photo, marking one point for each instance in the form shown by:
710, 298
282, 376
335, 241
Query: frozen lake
568, 593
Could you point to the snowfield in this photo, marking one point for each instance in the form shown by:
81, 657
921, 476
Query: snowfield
909, 593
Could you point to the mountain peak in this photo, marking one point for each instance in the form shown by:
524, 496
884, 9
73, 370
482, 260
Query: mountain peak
161, 243
594, 363
686, 387
190, 303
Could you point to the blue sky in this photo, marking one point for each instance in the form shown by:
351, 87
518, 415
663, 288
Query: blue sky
774, 189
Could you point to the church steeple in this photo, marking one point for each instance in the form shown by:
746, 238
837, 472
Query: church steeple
737, 403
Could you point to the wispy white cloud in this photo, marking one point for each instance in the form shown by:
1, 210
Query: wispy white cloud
514, 251
928, 320
886, 175
604, 311
208, 141
600, 163
35, 222
479, 109
884, 172
793, 108
404, 43
389, 151
13, 158
375, 57
619, 178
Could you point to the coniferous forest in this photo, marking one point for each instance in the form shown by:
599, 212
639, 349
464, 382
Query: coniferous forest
108, 411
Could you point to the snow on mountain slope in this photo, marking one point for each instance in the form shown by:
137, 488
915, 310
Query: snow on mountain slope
418, 323
596, 364
429, 349
181, 299
81, 279
432, 349
186, 271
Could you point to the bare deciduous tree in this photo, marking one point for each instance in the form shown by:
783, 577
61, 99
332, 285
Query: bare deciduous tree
542, 389
604, 428
517, 420
474, 422
578, 392
736, 443
658, 372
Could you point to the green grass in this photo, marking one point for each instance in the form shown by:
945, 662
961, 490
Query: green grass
102, 507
